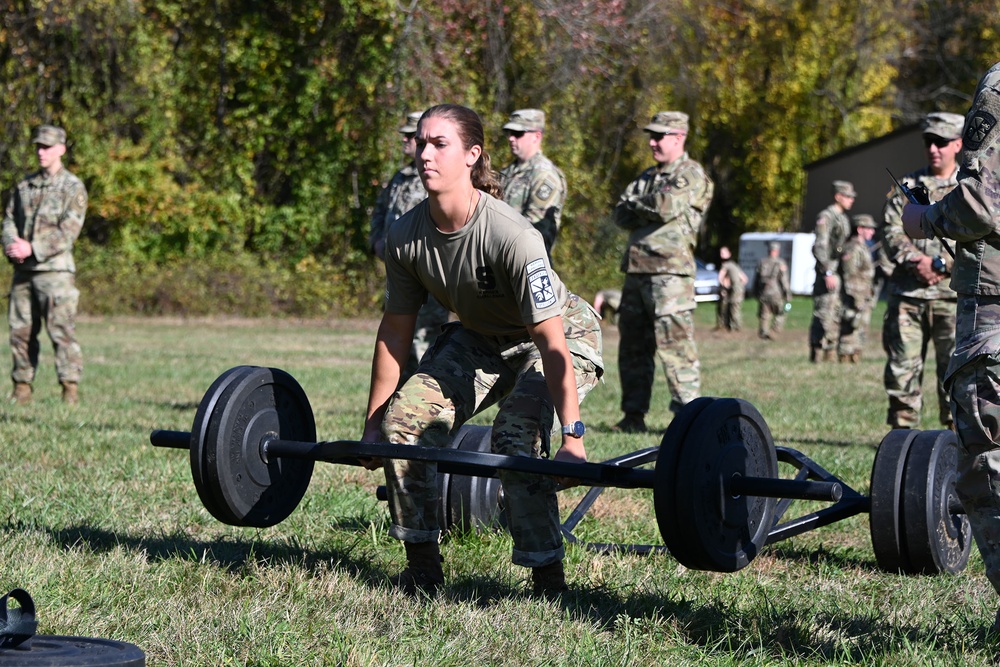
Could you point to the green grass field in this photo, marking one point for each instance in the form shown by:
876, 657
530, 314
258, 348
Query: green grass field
108, 535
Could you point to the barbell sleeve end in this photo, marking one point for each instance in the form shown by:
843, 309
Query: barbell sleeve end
170, 439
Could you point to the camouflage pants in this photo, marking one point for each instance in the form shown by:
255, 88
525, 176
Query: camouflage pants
909, 326
430, 318
462, 374
854, 329
824, 330
772, 317
655, 322
50, 297
975, 392
729, 311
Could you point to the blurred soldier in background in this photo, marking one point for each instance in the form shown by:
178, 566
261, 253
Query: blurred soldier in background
663, 209
832, 230
857, 289
732, 291
43, 220
771, 287
403, 192
532, 185
921, 305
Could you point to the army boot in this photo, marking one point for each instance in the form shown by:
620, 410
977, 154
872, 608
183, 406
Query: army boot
549, 580
828, 355
69, 393
21, 394
633, 422
423, 573
856, 357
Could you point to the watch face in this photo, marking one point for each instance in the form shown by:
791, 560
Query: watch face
578, 429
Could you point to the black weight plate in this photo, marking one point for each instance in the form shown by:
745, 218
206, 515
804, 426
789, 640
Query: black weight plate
723, 532
885, 518
665, 477
936, 540
199, 431
60, 651
474, 502
243, 488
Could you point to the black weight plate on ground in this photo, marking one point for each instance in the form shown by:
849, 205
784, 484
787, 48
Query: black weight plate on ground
885, 518
723, 532
60, 651
243, 489
199, 431
936, 540
665, 477
474, 502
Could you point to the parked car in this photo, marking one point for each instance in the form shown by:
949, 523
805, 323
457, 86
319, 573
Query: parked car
706, 288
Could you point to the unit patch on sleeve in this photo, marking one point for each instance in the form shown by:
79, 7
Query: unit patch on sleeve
540, 284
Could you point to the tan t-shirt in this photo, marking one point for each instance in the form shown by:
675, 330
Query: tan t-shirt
493, 273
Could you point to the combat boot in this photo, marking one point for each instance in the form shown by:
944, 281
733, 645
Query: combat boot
549, 580
842, 358
423, 573
828, 355
69, 393
633, 422
21, 394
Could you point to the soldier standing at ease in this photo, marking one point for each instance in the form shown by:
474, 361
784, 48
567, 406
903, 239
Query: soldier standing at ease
43, 220
770, 285
403, 192
663, 209
532, 185
921, 305
857, 284
970, 214
732, 284
832, 230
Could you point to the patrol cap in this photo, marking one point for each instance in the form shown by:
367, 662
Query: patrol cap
863, 220
666, 122
526, 120
774, 245
411, 122
845, 188
943, 124
49, 135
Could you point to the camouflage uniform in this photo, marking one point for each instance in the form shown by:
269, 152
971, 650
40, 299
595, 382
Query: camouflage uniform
832, 231
857, 296
48, 211
773, 292
917, 313
663, 209
535, 187
970, 214
729, 310
403, 192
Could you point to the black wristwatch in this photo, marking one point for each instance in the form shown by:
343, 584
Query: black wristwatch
574, 430
938, 265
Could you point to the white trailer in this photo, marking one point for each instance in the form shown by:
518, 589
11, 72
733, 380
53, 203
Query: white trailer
796, 250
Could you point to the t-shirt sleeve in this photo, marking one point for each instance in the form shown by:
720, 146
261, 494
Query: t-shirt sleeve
537, 288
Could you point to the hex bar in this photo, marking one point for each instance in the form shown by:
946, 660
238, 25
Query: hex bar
479, 464
770, 487
632, 460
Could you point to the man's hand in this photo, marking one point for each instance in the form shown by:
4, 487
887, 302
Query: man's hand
911, 220
18, 250
831, 283
925, 271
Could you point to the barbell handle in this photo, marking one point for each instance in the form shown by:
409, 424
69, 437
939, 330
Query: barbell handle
771, 487
170, 439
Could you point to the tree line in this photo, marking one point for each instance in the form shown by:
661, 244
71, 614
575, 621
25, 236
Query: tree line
233, 149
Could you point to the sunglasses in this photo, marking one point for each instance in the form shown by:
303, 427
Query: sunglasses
657, 136
940, 142
517, 134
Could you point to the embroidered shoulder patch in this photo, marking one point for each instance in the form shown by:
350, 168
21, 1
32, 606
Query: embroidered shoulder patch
978, 128
540, 284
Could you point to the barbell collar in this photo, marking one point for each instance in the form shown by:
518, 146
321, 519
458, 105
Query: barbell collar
769, 487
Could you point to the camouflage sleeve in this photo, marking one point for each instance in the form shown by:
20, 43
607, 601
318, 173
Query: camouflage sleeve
688, 191
624, 212
821, 247
378, 223
59, 238
545, 202
786, 288
896, 246
10, 233
970, 211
